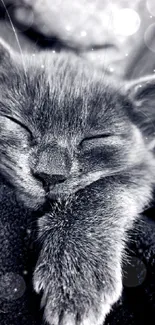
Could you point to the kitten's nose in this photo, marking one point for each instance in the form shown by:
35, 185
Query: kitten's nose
49, 180
51, 165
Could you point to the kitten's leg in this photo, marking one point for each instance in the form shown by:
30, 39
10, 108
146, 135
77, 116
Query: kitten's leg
79, 267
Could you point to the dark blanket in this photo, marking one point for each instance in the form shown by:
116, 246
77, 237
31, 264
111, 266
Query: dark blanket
137, 305
18, 303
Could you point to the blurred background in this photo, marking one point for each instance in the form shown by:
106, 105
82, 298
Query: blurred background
116, 35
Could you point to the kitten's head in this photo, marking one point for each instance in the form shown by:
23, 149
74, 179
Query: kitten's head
63, 127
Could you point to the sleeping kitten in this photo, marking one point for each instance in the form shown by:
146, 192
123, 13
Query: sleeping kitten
84, 147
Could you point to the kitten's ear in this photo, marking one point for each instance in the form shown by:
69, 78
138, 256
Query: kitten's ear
142, 94
5, 53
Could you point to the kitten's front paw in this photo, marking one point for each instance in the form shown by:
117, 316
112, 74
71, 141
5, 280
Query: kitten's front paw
95, 315
70, 299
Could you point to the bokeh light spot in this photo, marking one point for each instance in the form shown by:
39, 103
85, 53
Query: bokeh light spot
12, 286
126, 22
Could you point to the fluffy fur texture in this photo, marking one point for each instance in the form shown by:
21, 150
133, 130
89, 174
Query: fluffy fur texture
73, 143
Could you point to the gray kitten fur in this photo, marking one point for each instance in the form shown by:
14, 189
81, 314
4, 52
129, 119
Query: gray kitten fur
70, 138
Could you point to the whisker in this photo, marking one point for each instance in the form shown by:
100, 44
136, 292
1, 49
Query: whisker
16, 36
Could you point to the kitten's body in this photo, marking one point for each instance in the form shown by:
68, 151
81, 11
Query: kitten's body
71, 140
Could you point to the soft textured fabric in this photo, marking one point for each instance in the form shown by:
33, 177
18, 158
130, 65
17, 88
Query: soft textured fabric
16, 262
137, 305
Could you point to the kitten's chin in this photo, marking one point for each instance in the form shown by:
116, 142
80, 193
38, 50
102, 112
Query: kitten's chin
62, 192
59, 196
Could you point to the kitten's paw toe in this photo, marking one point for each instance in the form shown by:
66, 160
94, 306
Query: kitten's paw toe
62, 318
40, 279
83, 306
94, 316
38, 286
67, 312
66, 318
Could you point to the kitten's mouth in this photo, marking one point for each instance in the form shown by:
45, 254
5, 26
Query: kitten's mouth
71, 186
61, 191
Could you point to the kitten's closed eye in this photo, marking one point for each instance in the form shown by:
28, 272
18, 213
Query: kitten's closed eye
14, 122
18, 122
94, 141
